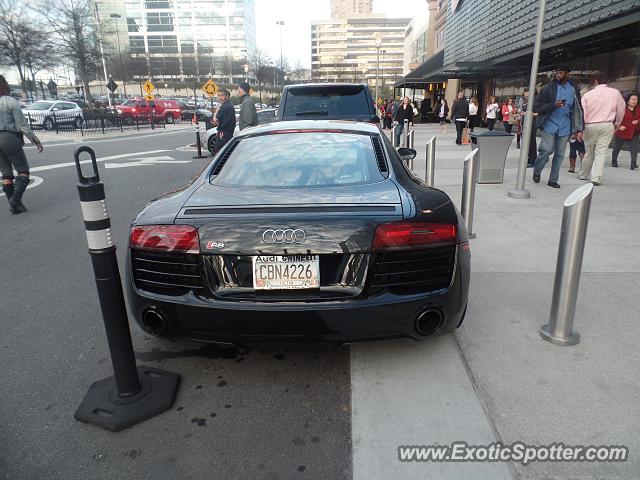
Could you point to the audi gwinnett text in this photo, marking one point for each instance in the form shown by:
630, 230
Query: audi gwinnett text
301, 231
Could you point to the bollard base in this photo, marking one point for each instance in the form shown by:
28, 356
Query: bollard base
546, 334
471, 235
519, 194
102, 406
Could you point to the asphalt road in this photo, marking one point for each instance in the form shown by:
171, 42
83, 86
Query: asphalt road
260, 413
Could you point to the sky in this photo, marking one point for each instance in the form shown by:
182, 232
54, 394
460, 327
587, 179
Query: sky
298, 14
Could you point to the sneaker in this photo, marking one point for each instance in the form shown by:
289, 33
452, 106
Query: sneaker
553, 184
536, 178
596, 183
614, 164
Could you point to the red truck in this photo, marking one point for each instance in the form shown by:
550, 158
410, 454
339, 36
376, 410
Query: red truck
147, 110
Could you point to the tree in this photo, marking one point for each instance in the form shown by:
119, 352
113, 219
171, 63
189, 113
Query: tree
72, 23
15, 37
260, 65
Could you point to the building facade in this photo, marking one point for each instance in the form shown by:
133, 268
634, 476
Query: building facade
171, 40
347, 49
348, 8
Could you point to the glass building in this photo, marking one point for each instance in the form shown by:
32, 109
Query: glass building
178, 39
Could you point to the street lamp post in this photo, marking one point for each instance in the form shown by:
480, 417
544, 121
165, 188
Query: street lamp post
124, 83
280, 24
246, 72
104, 64
382, 73
378, 43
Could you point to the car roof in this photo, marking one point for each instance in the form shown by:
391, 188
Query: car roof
312, 125
325, 84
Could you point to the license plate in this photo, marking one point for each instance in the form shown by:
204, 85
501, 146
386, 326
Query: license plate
288, 272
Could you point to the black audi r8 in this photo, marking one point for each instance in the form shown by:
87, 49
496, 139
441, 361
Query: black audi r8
301, 231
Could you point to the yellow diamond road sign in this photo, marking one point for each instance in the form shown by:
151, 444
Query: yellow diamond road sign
210, 88
149, 97
148, 87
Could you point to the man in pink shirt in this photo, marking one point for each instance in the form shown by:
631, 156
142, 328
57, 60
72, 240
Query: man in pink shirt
603, 110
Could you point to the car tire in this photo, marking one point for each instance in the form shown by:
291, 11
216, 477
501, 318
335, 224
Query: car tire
47, 124
127, 120
211, 144
77, 123
169, 119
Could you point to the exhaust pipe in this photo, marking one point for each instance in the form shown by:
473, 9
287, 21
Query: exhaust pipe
429, 322
154, 322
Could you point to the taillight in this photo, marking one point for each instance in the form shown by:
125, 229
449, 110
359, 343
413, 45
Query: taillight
133, 109
166, 238
401, 235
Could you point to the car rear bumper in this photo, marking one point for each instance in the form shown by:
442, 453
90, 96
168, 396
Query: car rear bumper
381, 316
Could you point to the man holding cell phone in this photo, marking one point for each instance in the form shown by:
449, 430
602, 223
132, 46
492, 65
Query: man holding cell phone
560, 116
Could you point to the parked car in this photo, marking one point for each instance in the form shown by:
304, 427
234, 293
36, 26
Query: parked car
301, 232
201, 114
157, 110
47, 114
327, 101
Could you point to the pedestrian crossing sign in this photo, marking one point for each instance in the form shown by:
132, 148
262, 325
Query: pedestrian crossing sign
210, 88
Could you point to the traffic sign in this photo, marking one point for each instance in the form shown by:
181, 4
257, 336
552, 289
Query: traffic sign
149, 97
112, 86
210, 88
148, 87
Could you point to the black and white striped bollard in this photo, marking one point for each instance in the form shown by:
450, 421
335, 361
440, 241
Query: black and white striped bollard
132, 394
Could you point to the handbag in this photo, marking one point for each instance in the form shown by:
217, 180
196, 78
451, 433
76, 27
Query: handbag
514, 118
466, 138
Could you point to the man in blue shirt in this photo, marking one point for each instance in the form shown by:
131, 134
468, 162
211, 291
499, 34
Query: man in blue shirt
559, 116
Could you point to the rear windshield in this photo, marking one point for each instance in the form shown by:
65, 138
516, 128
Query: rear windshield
296, 160
333, 102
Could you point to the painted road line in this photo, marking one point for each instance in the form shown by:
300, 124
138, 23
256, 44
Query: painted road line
101, 159
101, 140
407, 393
140, 162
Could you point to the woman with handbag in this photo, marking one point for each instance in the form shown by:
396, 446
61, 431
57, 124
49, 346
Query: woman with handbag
13, 126
508, 115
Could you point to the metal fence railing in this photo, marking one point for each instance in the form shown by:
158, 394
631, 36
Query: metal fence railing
87, 122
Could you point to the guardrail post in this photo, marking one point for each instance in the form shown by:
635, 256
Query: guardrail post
152, 117
119, 120
575, 219
430, 165
137, 122
55, 122
469, 178
132, 394
102, 123
199, 143
82, 126
30, 121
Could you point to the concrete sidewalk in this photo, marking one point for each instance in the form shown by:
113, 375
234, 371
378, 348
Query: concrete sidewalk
533, 391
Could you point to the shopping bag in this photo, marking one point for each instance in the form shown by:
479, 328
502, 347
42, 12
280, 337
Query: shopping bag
466, 138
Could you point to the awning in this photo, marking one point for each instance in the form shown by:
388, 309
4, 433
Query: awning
430, 71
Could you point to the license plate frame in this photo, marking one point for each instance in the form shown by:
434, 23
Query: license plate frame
307, 266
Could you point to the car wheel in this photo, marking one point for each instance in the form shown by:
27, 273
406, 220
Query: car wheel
77, 123
211, 144
127, 120
169, 119
47, 124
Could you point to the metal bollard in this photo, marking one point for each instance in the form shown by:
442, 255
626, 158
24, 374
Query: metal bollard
199, 143
575, 218
469, 178
132, 394
430, 165
405, 133
410, 139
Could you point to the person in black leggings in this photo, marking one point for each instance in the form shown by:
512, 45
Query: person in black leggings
13, 126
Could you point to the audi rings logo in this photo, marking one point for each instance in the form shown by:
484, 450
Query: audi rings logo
284, 236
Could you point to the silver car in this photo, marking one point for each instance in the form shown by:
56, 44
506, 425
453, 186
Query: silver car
47, 114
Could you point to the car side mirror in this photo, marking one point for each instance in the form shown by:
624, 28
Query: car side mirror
407, 154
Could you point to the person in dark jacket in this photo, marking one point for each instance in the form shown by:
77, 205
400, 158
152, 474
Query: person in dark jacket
405, 112
560, 116
627, 132
460, 115
225, 119
248, 113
